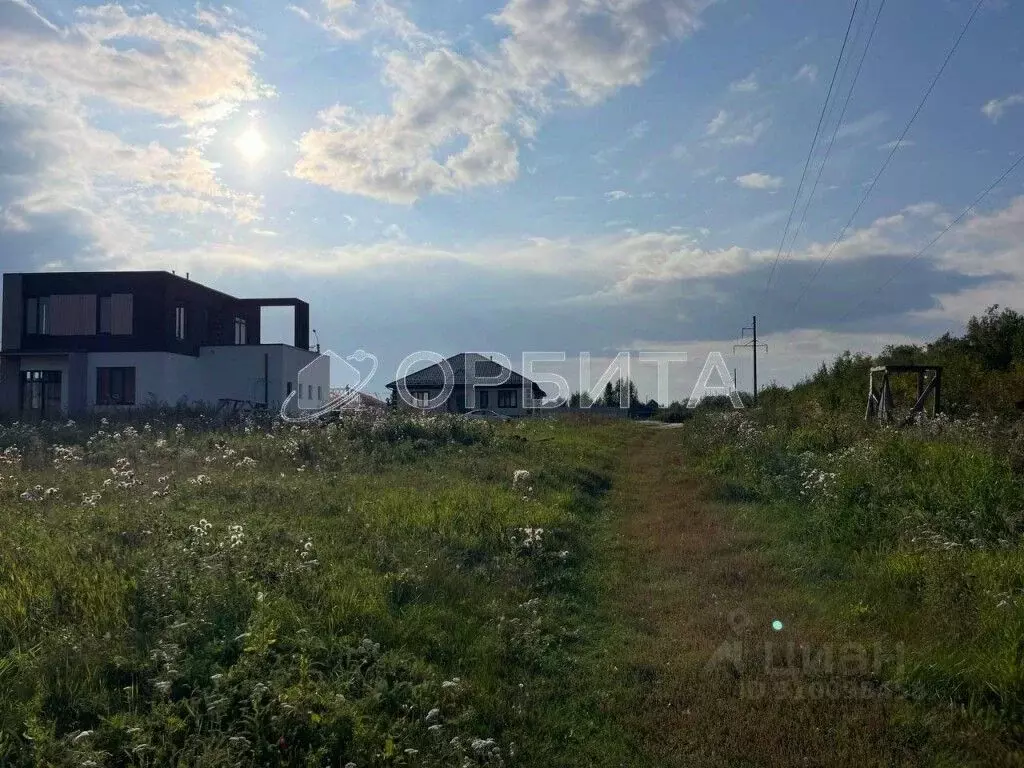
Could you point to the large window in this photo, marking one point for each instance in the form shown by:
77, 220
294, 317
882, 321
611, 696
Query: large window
240, 330
116, 315
422, 399
508, 398
37, 315
115, 386
40, 393
483, 399
179, 323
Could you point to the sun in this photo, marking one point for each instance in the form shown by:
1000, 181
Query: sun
251, 145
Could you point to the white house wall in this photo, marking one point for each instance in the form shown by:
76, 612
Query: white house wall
221, 372
161, 377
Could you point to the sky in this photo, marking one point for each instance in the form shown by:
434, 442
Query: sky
531, 175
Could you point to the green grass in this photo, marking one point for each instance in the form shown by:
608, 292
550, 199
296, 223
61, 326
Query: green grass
913, 539
361, 593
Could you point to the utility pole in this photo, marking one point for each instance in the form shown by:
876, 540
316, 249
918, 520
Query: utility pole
753, 347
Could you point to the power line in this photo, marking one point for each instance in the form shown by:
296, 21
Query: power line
814, 141
896, 145
835, 132
907, 262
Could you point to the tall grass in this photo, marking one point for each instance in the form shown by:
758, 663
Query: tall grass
376, 592
914, 536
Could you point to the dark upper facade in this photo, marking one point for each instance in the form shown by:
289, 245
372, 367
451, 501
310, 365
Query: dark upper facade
58, 312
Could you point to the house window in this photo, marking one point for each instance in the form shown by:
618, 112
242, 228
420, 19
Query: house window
483, 399
319, 392
240, 330
421, 399
37, 315
508, 398
115, 386
289, 390
40, 392
179, 323
309, 392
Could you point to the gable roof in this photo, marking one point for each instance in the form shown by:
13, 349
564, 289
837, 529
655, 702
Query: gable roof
433, 376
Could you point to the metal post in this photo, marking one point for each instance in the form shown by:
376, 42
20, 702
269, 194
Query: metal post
755, 359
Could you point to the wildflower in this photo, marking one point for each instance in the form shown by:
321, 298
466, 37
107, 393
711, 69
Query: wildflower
532, 537
433, 715
520, 476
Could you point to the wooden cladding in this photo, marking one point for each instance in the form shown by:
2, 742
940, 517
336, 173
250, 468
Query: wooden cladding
74, 314
121, 314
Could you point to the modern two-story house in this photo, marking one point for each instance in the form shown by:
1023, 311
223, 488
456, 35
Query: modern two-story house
477, 382
77, 341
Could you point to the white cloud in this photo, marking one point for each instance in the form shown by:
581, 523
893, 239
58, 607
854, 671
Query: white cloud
140, 62
54, 83
994, 109
716, 123
616, 194
483, 103
350, 20
746, 132
758, 181
398, 157
904, 143
866, 124
748, 84
639, 130
807, 72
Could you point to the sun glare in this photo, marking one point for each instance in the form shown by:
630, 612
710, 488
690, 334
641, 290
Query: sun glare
251, 145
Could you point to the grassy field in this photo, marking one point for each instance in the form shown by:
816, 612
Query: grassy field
910, 542
382, 591
765, 588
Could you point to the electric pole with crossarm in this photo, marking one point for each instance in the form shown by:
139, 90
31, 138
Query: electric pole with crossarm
753, 347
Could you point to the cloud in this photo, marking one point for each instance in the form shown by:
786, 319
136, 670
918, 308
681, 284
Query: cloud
745, 132
639, 130
758, 181
717, 123
137, 62
90, 182
904, 143
747, 85
402, 157
349, 20
483, 103
616, 194
994, 109
864, 125
807, 72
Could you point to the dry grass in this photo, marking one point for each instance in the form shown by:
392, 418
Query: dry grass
689, 580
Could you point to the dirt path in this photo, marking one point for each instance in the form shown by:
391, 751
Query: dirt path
701, 601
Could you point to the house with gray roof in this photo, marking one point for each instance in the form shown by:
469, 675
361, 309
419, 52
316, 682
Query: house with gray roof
475, 382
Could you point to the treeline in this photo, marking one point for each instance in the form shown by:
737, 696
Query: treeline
983, 371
